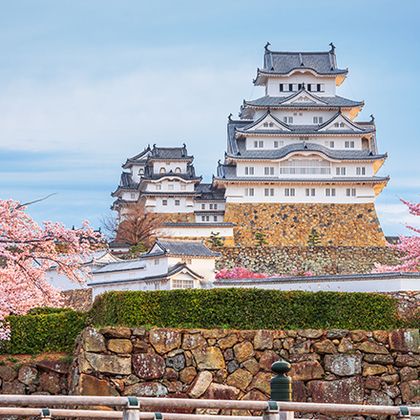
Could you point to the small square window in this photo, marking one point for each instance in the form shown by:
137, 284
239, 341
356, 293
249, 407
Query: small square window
164, 202
177, 202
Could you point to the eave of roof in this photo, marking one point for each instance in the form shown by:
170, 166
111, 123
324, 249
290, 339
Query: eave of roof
360, 180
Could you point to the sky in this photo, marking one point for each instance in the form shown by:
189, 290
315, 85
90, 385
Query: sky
84, 84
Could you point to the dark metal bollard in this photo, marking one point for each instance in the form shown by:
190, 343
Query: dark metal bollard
281, 385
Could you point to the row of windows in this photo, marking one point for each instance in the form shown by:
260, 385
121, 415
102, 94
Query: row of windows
176, 202
304, 168
182, 284
294, 87
309, 192
259, 144
163, 170
207, 218
212, 206
171, 187
348, 144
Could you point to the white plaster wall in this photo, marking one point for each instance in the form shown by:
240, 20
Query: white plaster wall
268, 142
259, 168
155, 204
367, 285
199, 205
205, 267
130, 196
273, 83
300, 117
213, 218
236, 194
165, 184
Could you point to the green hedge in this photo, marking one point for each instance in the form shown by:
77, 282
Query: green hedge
43, 332
245, 309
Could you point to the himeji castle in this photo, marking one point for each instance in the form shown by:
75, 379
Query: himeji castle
298, 163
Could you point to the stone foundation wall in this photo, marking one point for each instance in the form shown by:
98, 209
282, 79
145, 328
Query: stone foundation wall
340, 366
318, 259
291, 224
34, 375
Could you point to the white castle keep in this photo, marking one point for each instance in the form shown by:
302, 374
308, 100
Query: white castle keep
297, 145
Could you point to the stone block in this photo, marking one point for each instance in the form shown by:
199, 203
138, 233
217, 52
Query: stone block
120, 345
113, 364
243, 351
342, 391
148, 366
344, 364
164, 340
209, 358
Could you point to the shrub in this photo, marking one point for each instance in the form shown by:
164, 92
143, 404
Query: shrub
47, 310
43, 332
245, 309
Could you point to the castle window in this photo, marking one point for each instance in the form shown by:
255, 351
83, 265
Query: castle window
205, 218
156, 261
310, 192
290, 87
177, 202
164, 202
320, 87
276, 144
211, 206
349, 144
133, 195
249, 192
270, 124
289, 192
330, 192
249, 170
215, 218
351, 192
269, 192
288, 120
336, 124
340, 170
182, 284
330, 144
361, 170
318, 120
260, 144
269, 170
266, 124
141, 171
215, 206
342, 125
177, 170
281, 87
203, 207
158, 187
309, 86
162, 170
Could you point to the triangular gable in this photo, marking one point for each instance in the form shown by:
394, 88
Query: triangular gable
185, 272
303, 97
340, 122
157, 248
267, 122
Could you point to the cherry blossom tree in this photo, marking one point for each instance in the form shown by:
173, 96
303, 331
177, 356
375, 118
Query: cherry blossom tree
28, 250
408, 247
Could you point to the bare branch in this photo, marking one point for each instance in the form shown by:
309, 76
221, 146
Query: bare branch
35, 201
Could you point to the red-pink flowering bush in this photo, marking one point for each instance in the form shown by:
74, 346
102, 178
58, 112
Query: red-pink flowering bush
28, 250
408, 246
239, 273
244, 273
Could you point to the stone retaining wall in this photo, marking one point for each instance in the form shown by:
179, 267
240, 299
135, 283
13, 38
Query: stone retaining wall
291, 224
318, 259
340, 366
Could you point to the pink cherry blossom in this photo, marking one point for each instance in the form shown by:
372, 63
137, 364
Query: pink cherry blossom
28, 250
408, 247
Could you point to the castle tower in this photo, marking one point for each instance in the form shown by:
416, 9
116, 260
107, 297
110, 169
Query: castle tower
298, 163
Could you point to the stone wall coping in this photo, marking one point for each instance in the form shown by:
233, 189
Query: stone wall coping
321, 278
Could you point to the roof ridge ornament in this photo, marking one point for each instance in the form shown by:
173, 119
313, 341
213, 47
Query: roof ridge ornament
266, 47
301, 59
372, 118
230, 117
332, 50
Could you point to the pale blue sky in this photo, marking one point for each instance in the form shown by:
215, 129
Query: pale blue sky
86, 83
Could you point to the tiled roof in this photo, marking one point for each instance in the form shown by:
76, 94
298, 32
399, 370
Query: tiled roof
319, 278
207, 192
282, 62
126, 181
170, 153
278, 102
196, 249
305, 147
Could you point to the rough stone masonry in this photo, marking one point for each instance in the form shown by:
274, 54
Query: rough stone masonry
376, 367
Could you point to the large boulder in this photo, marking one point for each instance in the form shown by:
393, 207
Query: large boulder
306, 371
210, 358
243, 351
28, 375
164, 340
120, 345
146, 389
410, 391
93, 341
90, 385
405, 340
263, 340
344, 364
106, 363
240, 379
344, 391
148, 366
200, 385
